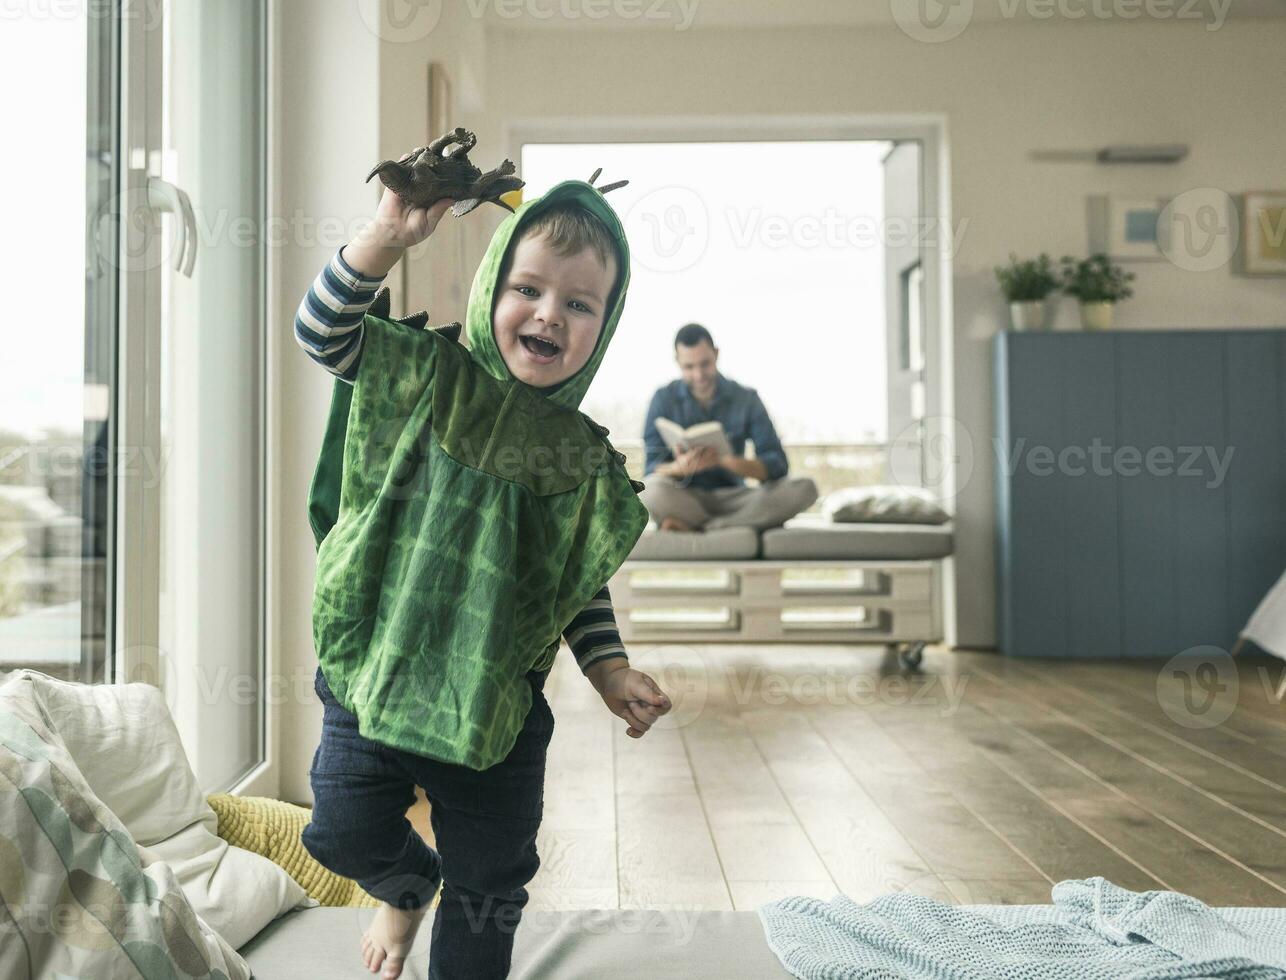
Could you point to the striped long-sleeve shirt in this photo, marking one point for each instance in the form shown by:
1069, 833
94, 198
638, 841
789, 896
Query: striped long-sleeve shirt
328, 325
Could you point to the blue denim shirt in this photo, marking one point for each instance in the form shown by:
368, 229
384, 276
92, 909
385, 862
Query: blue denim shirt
743, 416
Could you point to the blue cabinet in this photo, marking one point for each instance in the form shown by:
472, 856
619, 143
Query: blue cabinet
1140, 488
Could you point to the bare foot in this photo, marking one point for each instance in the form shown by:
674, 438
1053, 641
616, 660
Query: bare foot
674, 524
389, 939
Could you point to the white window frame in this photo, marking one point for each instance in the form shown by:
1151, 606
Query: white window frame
134, 621
136, 567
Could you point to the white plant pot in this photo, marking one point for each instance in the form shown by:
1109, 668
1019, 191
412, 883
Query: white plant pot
1097, 316
1029, 314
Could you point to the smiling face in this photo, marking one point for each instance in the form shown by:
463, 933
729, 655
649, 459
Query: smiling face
698, 368
549, 309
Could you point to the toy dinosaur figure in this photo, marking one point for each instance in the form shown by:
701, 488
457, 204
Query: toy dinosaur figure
420, 321
442, 169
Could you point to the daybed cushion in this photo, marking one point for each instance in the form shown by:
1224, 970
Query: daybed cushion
809, 538
725, 543
323, 944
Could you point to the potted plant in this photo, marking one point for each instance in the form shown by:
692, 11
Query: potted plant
1099, 284
1027, 285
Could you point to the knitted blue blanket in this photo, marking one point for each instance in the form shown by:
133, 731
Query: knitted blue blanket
1093, 930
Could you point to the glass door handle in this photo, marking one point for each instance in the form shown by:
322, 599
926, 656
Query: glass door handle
164, 196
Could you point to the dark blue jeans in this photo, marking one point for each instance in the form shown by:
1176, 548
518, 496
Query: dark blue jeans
484, 823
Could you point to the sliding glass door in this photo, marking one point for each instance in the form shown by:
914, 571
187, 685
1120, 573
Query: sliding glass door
57, 445
211, 356
131, 417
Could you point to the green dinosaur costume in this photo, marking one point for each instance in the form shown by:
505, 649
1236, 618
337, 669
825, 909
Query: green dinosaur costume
463, 518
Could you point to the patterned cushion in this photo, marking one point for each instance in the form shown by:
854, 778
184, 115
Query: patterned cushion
272, 828
77, 898
123, 740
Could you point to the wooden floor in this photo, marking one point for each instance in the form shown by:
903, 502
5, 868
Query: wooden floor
814, 770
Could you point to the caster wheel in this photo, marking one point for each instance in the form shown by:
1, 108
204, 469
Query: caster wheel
911, 655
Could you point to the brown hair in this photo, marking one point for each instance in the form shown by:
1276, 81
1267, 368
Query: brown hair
572, 229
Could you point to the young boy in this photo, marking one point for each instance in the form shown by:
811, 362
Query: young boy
467, 515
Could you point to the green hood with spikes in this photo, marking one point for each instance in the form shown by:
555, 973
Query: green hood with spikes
463, 518
478, 324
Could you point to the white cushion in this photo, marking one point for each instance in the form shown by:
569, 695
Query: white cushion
883, 505
123, 739
78, 899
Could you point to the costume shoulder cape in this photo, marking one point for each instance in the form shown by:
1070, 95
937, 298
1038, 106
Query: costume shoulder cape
463, 518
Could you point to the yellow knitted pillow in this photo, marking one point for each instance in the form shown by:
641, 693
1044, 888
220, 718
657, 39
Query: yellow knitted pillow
273, 828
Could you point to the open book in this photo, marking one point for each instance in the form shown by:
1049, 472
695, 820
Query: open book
702, 434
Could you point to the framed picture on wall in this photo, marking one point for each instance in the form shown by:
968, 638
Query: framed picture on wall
434, 280
439, 121
1125, 228
395, 281
1263, 233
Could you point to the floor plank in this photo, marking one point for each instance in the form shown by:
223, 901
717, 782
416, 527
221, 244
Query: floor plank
1212, 774
1175, 834
1244, 739
1055, 846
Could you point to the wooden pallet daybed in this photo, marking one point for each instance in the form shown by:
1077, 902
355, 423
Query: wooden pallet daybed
809, 581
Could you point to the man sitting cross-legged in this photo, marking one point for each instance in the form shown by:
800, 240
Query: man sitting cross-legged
700, 490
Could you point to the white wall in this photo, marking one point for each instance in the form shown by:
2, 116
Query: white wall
437, 273
1006, 89
352, 90
326, 67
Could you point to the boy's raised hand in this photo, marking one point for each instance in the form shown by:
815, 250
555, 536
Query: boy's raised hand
634, 696
399, 224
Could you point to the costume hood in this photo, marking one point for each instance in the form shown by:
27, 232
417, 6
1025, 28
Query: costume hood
479, 328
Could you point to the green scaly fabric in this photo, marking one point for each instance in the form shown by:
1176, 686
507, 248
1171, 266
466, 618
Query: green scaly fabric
463, 519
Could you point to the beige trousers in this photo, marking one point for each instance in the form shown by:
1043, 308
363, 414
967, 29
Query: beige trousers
767, 505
